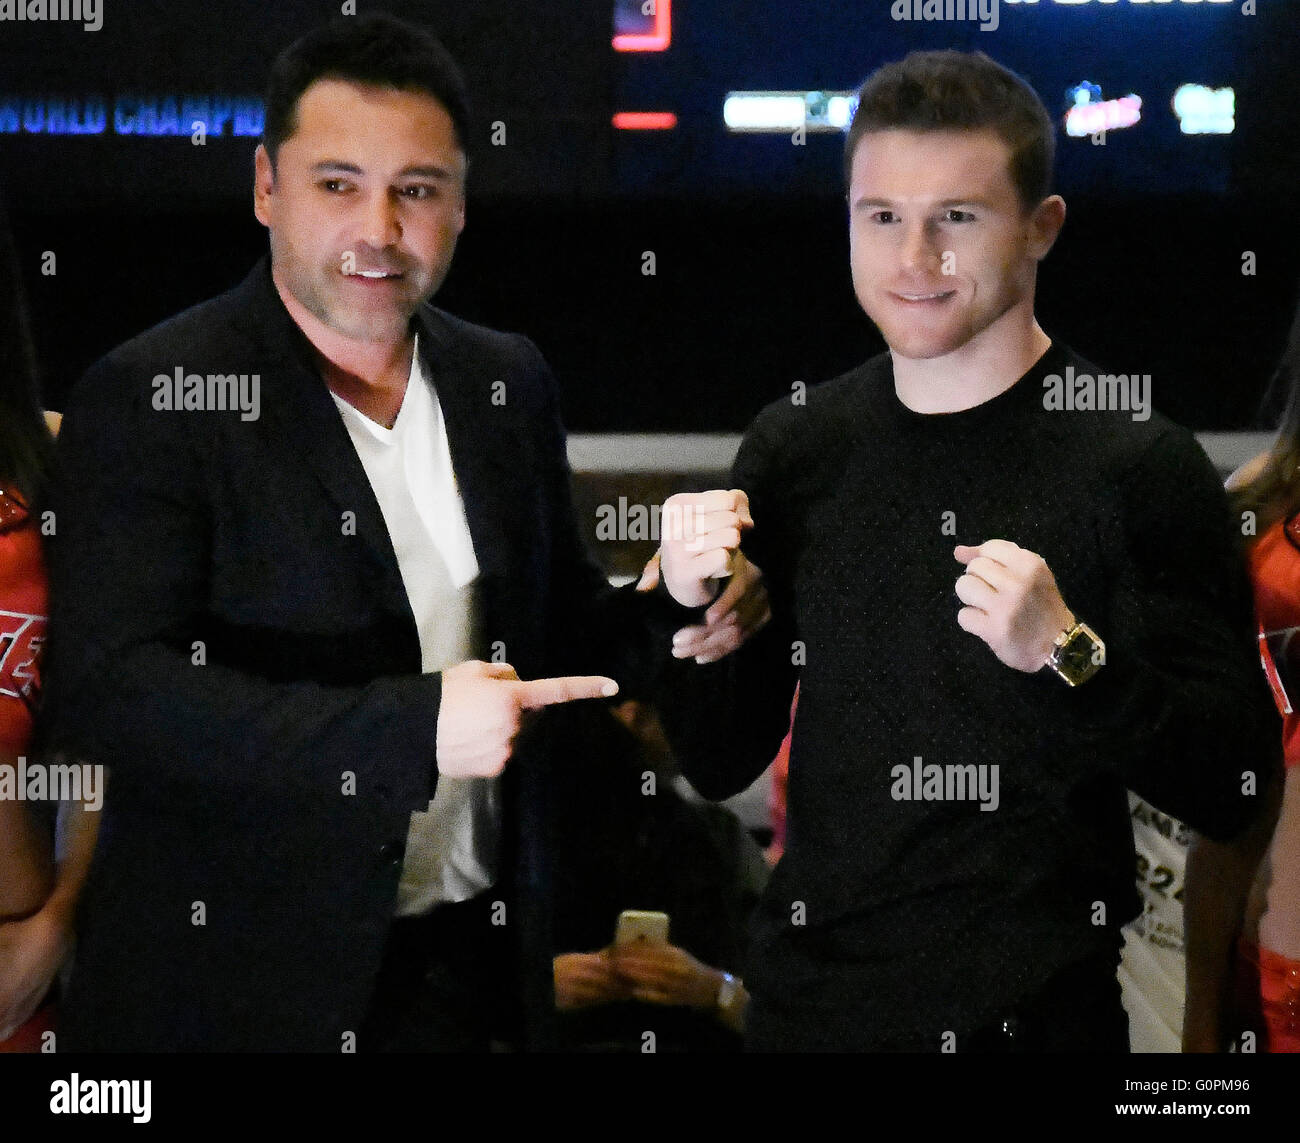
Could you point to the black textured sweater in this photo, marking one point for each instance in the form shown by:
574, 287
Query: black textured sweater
890, 922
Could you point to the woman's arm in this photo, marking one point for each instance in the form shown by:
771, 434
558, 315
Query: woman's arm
1279, 887
33, 950
26, 864
1218, 880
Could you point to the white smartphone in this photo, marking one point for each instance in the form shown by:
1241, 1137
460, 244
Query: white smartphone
639, 925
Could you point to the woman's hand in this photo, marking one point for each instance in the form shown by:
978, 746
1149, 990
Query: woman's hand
31, 953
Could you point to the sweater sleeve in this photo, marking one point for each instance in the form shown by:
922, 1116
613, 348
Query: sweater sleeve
726, 720
1181, 705
592, 627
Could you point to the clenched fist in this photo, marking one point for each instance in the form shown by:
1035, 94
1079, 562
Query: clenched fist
1012, 602
484, 706
699, 537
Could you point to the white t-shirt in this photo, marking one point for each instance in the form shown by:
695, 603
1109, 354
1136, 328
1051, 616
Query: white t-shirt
451, 848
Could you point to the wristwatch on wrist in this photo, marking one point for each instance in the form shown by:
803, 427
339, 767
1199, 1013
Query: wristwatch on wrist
727, 991
1077, 654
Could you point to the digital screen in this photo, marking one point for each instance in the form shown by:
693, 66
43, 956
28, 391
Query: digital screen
162, 101
1144, 92
163, 104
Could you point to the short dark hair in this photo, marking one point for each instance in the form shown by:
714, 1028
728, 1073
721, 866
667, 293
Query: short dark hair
960, 91
379, 50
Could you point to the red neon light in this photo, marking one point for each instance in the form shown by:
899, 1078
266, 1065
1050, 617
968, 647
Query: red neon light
645, 120
655, 41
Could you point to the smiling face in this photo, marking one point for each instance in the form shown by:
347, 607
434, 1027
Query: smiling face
364, 206
943, 252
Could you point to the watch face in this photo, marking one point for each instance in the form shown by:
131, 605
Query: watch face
1076, 655
1078, 659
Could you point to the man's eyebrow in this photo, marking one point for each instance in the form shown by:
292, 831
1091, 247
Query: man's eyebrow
419, 172
942, 204
426, 172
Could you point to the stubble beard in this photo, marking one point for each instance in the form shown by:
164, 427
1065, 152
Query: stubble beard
319, 292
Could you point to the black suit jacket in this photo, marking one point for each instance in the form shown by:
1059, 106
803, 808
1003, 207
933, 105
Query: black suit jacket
241, 656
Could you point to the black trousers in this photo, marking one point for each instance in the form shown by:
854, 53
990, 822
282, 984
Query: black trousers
445, 983
1079, 1009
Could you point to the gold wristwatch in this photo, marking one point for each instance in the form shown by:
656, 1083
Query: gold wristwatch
1077, 654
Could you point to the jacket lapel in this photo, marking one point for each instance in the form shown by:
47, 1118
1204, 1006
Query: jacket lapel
486, 471
298, 405
463, 387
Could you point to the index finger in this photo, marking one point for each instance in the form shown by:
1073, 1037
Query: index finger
1000, 551
715, 500
537, 693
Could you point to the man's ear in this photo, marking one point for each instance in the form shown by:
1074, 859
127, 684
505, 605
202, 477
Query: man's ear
263, 185
1045, 224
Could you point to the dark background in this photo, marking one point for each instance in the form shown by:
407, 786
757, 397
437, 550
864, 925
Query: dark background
752, 290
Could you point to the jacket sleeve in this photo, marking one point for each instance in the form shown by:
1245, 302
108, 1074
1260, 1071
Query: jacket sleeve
126, 683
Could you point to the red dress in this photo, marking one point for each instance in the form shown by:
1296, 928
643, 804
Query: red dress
23, 619
1275, 573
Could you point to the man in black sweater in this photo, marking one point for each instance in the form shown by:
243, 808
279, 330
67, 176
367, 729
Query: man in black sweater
1007, 589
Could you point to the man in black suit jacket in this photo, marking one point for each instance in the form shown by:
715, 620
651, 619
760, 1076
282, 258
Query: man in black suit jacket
232, 634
